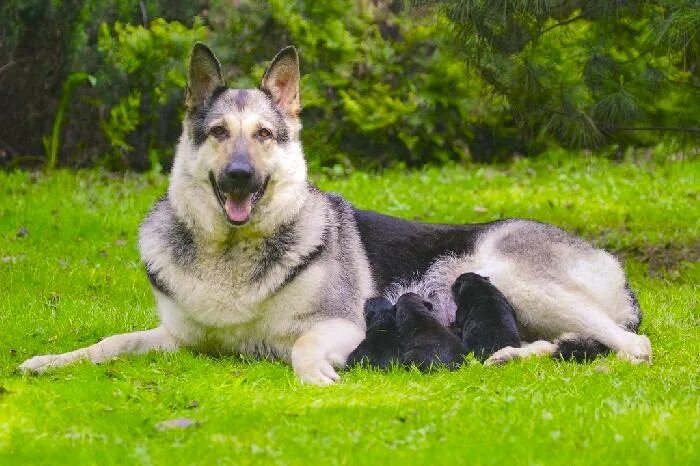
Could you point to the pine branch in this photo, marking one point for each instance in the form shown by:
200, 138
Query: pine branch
654, 128
559, 24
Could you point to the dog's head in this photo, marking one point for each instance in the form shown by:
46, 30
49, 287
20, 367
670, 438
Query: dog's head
240, 148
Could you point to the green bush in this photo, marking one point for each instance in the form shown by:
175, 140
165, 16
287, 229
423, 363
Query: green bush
149, 62
378, 86
43, 43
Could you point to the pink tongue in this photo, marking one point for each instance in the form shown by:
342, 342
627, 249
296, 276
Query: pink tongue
238, 210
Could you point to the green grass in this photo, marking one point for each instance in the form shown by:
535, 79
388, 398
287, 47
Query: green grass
76, 277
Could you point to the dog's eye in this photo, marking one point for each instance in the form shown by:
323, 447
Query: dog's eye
218, 131
264, 133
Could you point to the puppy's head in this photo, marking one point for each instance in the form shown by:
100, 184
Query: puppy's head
411, 305
377, 309
468, 284
240, 147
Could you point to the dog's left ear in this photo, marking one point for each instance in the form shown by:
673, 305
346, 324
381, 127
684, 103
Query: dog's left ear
281, 80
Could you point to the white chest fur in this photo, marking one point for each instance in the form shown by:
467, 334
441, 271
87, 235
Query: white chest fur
213, 314
214, 301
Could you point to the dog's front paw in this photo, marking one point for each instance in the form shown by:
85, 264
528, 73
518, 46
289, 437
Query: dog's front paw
637, 350
325, 345
40, 364
316, 372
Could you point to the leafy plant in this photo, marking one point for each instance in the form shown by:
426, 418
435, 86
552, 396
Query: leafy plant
378, 86
52, 144
150, 63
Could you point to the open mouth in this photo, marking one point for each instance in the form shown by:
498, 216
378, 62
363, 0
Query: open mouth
237, 206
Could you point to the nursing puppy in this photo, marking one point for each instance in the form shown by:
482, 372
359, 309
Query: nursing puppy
424, 340
485, 320
382, 344
406, 333
245, 255
410, 333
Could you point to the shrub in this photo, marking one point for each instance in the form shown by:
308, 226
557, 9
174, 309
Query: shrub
379, 84
148, 63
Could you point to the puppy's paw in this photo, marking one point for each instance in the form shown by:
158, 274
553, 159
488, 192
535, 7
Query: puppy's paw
316, 372
40, 364
637, 350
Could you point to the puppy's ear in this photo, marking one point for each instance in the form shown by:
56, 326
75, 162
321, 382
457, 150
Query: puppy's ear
281, 81
204, 76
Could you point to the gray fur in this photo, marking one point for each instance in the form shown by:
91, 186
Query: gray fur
275, 247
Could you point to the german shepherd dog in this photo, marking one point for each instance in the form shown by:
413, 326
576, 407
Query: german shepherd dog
246, 256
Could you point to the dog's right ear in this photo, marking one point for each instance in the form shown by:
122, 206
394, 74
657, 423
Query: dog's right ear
204, 76
281, 81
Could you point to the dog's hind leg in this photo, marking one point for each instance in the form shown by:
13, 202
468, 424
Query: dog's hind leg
557, 314
125, 343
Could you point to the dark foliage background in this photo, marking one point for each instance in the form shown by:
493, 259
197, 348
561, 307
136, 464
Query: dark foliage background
86, 83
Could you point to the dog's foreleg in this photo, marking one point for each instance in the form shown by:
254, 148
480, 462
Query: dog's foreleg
325, 346
125, 343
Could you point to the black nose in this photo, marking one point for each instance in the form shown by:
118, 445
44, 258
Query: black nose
237, 177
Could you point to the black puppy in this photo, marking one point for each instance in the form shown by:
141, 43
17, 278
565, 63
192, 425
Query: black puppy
381, 344
424, 340
485, 319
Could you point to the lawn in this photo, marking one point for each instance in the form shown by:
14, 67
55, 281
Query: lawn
70, 274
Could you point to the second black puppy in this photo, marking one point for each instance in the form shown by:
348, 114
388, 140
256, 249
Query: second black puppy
485, 319
424, 340
381, 344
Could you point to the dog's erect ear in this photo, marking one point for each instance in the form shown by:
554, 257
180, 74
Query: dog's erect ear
281, 80
204, 75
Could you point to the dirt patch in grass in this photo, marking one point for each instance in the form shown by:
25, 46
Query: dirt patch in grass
660, 258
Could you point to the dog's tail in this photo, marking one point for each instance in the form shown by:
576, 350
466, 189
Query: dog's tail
579, 349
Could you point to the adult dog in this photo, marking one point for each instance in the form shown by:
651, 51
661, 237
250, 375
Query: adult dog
246, 256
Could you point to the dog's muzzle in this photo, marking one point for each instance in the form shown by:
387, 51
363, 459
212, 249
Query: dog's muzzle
238, 190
